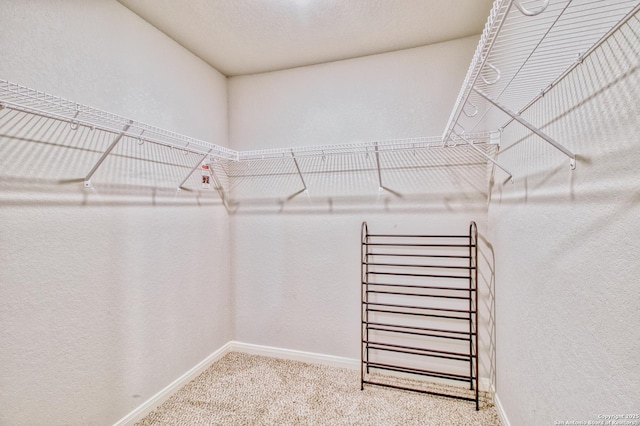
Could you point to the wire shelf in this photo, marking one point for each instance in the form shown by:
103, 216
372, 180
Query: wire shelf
35, 102
400, 167
407, 170
520, 57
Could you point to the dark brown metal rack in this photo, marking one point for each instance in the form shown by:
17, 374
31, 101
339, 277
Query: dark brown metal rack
419, 308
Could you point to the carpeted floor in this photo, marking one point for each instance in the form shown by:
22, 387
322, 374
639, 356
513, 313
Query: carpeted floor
243, 389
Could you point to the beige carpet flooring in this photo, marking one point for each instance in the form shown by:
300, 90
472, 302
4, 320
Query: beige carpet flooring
243, 389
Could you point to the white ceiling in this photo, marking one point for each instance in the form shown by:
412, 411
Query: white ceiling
251, 36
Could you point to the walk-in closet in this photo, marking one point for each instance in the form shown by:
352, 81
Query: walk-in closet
319, 212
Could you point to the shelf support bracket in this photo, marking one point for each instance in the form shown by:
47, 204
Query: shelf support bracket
204, 157
220, 189
304, 185
534, 129
381, 187
484, 155
87, 180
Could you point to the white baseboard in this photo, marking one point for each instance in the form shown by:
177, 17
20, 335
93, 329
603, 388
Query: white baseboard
234, 346
500, 409
152, 403
310, 357
485, 385
322, 359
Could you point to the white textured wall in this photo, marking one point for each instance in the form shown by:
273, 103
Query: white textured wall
296, 271
296, 276
101, 54
110, 294
567, 272
402, 94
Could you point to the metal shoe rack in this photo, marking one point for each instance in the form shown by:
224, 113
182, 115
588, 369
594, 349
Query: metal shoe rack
419, 311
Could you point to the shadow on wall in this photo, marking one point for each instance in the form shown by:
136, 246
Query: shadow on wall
487, 310
592, 111
45, 162
106, 163
38, 192
41, 155
434, 202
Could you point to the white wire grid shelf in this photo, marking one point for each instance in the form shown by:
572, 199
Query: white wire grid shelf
27, 100
35, 102
526, 48
126, 146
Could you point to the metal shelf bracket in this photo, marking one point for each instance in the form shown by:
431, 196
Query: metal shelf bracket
304, 185
381, 187
484, 155
534, 129
87, 180
204, 157
220, 189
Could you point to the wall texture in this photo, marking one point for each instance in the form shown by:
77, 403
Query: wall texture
107, 295
567, 248
296, 266
402, 94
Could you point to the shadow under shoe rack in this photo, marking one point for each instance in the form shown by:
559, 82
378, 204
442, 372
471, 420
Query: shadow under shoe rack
419, 311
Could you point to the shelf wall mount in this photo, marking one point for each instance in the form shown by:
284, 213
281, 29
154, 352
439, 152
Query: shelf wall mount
87, 179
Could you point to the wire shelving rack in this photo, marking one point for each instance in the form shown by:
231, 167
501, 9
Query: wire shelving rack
527, 47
